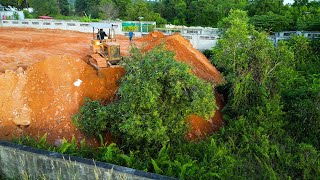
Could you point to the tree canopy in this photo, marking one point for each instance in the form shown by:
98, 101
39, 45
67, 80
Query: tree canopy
156, 97
265, 15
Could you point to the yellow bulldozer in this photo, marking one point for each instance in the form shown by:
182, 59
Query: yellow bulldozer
105, 50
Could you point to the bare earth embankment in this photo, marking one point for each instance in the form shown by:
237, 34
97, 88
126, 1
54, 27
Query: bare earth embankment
44, 79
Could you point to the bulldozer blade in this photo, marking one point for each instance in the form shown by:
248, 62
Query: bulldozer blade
97, 61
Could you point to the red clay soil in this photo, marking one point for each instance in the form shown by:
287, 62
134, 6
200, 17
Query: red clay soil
22, 47
52, 91
42, 96
184, 52
200, 128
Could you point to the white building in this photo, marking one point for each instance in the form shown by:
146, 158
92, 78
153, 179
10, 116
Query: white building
11, 14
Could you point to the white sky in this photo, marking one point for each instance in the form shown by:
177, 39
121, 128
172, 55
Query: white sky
288, 1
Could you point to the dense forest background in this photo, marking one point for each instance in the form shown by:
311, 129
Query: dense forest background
263, 14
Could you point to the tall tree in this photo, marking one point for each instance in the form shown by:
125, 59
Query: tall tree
175, 11
197, 12
15, 3
64, 7
90, 7
300, 2
108, 9
49, 7
140, 8
271, 22
203, 12
248, 60
123, 6
257, 7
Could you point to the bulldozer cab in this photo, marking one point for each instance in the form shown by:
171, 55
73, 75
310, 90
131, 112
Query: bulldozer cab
105, 50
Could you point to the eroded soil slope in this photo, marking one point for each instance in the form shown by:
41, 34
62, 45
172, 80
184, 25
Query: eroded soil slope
184, 52
53, 79
42, 99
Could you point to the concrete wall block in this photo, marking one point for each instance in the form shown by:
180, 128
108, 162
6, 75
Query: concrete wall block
17, 161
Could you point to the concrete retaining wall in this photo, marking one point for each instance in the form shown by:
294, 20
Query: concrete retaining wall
202, 42
55, 24
17, 161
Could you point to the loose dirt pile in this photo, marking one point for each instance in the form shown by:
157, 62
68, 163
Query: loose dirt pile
45, 96
184, 52
201, 128
20, 47
41, 96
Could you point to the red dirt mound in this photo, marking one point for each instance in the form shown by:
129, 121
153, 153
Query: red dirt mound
42, 98
51, 91
184, 52
153, 36
200, 128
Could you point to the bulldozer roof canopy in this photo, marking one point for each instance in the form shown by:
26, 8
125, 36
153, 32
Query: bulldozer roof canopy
100, 25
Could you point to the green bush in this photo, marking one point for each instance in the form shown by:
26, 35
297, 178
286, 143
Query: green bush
155, 98
300, 87
87, 18
28, 15
15, 16
91, 118
272, 134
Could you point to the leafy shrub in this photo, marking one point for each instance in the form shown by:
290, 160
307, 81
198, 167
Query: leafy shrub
40, 142
269, 99
156, 96
28, 15
15, 16
87, 18
208, 53
207, 159
300, 87
95, 20
91, 118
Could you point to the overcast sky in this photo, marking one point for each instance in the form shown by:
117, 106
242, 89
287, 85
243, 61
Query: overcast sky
287, 1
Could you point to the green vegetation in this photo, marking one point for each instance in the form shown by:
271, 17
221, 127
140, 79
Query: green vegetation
269, 16
271, 113
155, 98
91, 118
41, 8
272, 95
301, 91
266, 130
